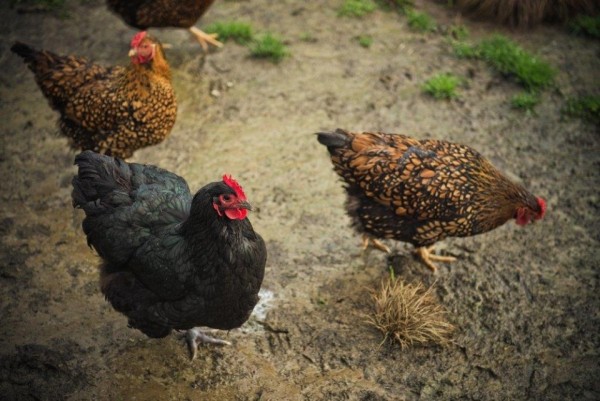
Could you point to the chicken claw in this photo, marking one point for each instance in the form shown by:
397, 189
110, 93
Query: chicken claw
205, 38
195, 336
367, 240
424, 253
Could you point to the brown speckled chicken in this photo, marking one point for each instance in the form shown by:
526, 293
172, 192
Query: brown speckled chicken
114, 110
422, 191
144, 14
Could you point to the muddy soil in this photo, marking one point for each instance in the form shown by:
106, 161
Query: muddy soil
524, 300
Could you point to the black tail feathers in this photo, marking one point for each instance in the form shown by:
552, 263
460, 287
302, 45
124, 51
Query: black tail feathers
27, 52
337, 139
98, 176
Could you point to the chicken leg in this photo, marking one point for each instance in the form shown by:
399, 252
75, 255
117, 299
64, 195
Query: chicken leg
368, 240
195, 336
424, 253
205, 38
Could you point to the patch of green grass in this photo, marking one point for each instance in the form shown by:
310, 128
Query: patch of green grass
270, 47
420, 21
356, 8
509, 58
585, 107
464, 50
402, 6
525, 101
442, 86
458, 32
586, 25
240, 32
365, 41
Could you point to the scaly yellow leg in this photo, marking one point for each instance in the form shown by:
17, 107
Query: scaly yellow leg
424, 253
367, 240
205, 38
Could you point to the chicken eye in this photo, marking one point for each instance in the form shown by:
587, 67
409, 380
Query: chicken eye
226, 198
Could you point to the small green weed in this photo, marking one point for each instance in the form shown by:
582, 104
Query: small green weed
586, 25
509, 58
420, 21
365, 41
356, 8
240, 32
525, 101
585, 107
402, 6
458, 32
270, 47
464, 50
442, 86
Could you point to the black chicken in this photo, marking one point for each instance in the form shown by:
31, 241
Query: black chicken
170, 260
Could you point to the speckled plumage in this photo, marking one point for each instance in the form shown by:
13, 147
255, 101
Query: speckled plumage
170, 261
421, 191
111, 110
143, 14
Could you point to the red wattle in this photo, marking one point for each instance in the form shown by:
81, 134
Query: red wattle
236, 214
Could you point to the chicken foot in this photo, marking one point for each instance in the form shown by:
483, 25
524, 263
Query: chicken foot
427, 257
367, 240
205, 38
195, 336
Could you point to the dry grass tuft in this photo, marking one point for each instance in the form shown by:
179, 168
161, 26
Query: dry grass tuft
409, 314
527, 13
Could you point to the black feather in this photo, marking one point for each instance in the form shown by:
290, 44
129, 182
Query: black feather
26, 52
332, 140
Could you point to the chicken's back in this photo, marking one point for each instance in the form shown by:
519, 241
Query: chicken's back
60, 77
126, 204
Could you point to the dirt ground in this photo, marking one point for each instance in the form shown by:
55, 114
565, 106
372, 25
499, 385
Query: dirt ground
525, 301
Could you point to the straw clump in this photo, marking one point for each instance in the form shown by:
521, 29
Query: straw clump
409, 314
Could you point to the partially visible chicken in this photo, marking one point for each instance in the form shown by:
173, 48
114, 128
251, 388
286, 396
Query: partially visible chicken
144, 14
114, 110
170, 260
422, 191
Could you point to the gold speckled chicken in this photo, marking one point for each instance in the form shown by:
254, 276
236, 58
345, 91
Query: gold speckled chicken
144, 14
111, 110
422, 191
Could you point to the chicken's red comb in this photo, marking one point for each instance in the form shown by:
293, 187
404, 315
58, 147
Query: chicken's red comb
233, 184
542, 205
137, 39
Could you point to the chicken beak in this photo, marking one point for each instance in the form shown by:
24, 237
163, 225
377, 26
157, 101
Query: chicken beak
244, 205
132, 53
